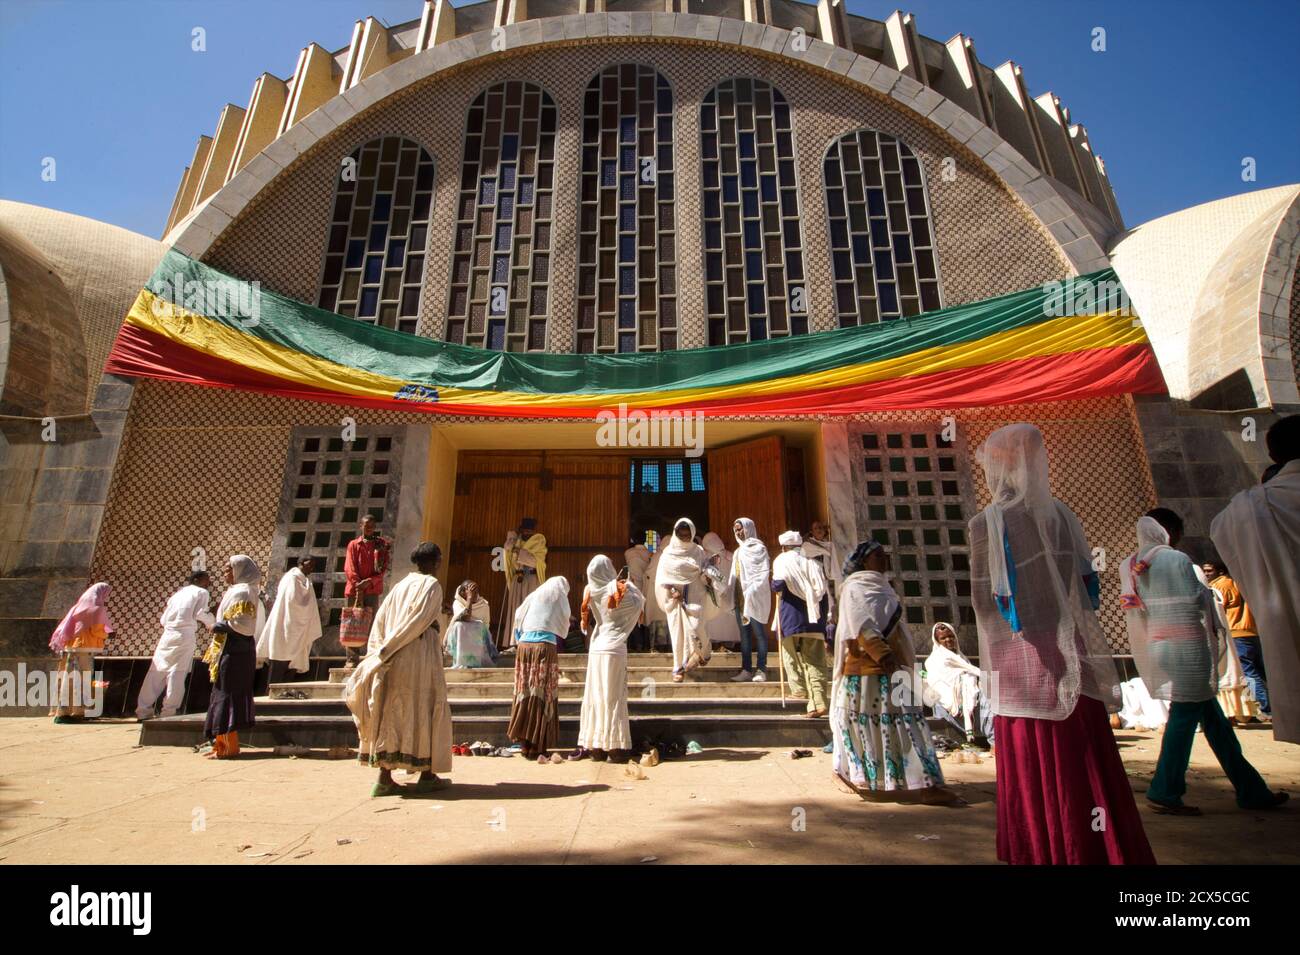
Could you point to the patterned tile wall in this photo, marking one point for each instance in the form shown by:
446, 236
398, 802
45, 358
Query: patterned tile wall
989, 243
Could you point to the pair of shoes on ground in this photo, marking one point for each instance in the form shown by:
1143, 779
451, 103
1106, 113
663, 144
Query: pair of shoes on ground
478, 748
745, 676
553, 758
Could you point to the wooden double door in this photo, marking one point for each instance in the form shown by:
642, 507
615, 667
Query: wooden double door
582, 504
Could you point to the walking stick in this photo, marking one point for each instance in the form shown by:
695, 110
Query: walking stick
780, 656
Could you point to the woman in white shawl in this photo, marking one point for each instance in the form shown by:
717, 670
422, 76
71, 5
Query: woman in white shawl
540, 623
724, 629
1172, 629
750, 583
293, 624
954, 685
881, 742
688, 595
469, 639
610, 609
398, 695
1050, 673
232, 658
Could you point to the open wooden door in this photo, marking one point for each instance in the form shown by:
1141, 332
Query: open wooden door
749, 480
580, 502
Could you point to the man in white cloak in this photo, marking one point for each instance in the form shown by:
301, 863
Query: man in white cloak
293, 624
750, 583
819, 546
1258, 537
398, 695
174, 655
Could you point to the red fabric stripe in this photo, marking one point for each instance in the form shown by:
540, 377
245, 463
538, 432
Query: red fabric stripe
1124, 369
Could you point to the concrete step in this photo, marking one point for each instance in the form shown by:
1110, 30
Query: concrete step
503, 689
722, 662
697, 706
322, 732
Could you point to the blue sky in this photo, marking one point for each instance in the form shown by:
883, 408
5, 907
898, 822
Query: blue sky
112, 90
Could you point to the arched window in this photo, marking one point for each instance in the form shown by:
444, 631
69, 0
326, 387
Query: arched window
501, 266
374, 260
882, 242
627, 249
753, 247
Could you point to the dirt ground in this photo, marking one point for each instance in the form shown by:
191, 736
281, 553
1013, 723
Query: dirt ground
90, 794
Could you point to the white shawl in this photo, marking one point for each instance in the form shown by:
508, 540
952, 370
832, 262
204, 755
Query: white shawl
406, 614
546, 609
867, 602
293, 624
943, 672
481, 610
827, 555
726, 595
753, 568
242, 591
611, 625
681, 565
804, 577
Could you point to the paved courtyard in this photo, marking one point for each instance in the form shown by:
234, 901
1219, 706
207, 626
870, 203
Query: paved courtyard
90, 794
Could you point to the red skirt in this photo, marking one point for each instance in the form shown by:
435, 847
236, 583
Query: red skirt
1063, 797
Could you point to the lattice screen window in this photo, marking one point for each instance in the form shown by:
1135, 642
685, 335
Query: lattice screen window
328, 486
917, 502
374, 260
882, 241
627, 247
501, 266
753, 246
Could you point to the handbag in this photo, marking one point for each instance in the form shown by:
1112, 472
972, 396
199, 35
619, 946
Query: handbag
873, 656
354, 622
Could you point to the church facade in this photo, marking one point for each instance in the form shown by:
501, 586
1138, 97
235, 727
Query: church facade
573, 184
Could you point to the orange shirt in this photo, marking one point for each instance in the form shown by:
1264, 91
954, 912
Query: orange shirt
1240, 619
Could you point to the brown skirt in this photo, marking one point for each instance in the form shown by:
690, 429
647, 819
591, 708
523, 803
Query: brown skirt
535, 712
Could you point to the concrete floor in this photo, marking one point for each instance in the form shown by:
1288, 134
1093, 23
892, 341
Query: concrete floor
90, 794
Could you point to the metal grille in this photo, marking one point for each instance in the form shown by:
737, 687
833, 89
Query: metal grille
753, 245
375, 256
501, 266
627, 248
328, 486
917, 503
882, 242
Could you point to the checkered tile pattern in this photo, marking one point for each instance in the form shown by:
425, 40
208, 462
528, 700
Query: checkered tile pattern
988, 241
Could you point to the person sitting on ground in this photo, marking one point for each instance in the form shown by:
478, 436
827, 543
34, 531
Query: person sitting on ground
955, 684
469, 640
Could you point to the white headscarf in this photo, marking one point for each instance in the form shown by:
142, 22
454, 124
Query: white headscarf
754, 568
1039, 636
481, 611
546, 609
825, 553
867, 602
611, 625
944, 667
682, 565
713, 545
246, 575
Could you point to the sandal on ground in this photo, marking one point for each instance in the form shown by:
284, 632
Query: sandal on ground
578, 754
679, 677
386, 789
1165, 809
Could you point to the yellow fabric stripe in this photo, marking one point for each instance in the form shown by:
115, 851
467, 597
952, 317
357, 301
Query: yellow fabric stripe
1054, 337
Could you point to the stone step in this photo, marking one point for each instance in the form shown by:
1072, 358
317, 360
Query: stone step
504, 689
322, 732
699, 706
721, 662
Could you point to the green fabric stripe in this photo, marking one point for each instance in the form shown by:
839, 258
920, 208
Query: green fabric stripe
314, 331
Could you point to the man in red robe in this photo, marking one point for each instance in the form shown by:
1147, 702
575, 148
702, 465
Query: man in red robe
366, 565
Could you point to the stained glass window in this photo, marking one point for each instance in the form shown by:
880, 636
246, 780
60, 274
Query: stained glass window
627, 246
753, 246
375, 252
501, 263
882, 241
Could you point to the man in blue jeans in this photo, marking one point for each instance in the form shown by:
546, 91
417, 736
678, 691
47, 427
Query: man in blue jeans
751, 572
1244, 635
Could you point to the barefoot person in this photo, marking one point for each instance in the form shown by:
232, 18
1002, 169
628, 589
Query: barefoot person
293, 624
232, 658
364, 567
684, 595
1051, 675
1172, 630
469, 641
398, 694
881, 741
173, 658
83, 630
540, 623
610, 610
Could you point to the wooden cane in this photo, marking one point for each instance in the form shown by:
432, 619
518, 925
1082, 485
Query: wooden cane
780, 656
